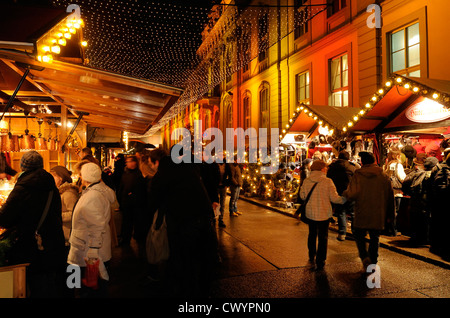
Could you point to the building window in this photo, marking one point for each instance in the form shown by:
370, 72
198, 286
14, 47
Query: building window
339, 81
263, 36
300, 18
264, 107
246, 45
303, 87
246, 112
229, 113
405, 51
335, 6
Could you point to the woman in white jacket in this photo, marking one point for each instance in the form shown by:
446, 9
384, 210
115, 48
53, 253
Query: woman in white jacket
319, 210
91, 237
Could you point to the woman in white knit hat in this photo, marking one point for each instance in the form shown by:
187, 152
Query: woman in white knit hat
91, 236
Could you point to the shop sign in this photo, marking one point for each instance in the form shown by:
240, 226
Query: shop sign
427, 111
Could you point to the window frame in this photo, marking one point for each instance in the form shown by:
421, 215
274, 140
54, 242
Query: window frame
307, 87
408, 69
341, 89
247, 112
299, 10
264, 88
331, 10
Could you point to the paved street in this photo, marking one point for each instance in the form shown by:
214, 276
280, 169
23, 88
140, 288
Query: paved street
264, 255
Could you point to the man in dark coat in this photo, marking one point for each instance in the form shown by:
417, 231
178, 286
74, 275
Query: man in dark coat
178, 192
131, 197
341, 172
22, 211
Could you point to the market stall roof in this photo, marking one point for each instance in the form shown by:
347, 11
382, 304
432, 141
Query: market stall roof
309, 119
107, 100
405, 105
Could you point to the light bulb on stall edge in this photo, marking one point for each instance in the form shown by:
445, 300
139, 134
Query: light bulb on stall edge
56, 49
84, 43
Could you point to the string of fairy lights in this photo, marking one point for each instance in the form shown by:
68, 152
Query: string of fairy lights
194, 45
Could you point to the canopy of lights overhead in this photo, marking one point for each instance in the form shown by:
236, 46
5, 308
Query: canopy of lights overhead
182, 43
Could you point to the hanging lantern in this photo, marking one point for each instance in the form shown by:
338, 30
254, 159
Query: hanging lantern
41, 143
27, 141
10, 142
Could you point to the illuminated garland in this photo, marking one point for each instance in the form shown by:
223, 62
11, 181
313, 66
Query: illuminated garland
303, 108
186, 45
405, 82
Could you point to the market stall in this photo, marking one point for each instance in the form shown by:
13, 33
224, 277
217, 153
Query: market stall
311, 131
50, 97
410, 115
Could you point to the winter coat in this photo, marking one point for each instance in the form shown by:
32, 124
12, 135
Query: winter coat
132, 188
372, 192
23, 210
210, 175
341, 171
236, 176
319, 208
69, 195
90, 224
224, 174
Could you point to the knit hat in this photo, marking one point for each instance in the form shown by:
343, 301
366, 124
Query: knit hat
63, 173
430, 162
318, 165
90, 172
31, 160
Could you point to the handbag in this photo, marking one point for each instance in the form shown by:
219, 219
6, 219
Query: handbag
395, 181
157, 246
302, 209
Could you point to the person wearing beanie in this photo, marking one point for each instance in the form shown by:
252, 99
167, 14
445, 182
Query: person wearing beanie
372, 193
22, 210
91, 234
319, 210
69, 193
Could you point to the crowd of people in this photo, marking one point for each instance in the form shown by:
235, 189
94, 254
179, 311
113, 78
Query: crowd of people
370, 195
79, 226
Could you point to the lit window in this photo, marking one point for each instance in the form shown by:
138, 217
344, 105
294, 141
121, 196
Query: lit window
264, 107
246, 112
303, 88
405, 51
339, 81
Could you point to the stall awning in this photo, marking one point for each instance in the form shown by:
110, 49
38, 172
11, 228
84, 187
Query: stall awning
107, 99
112, 101
406, 105
308, 119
